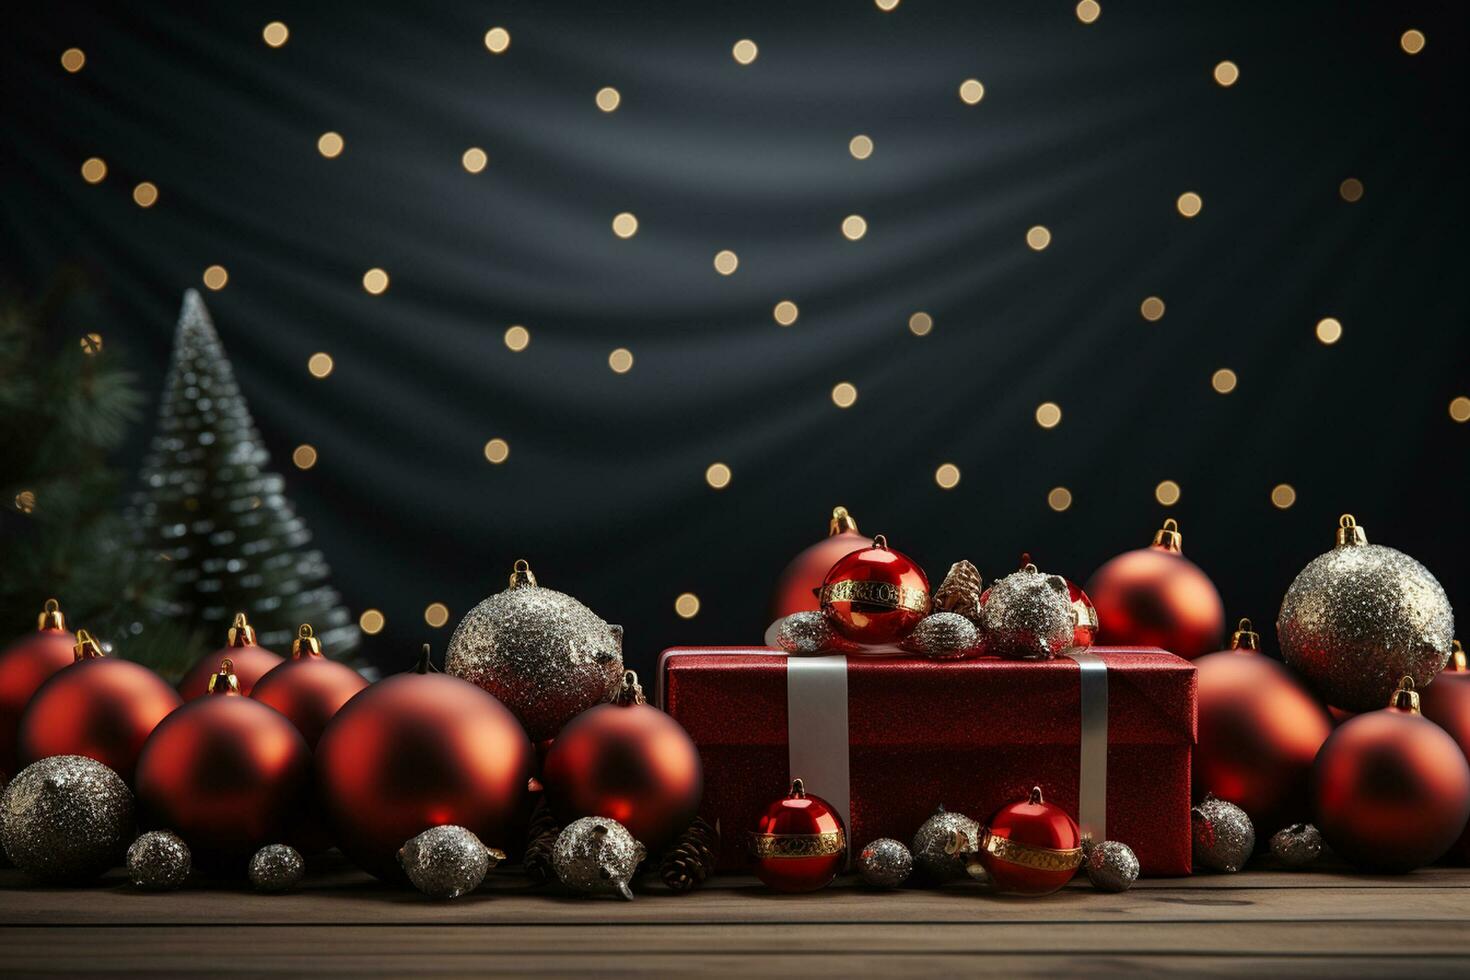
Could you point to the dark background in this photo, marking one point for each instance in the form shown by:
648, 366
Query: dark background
1091, 130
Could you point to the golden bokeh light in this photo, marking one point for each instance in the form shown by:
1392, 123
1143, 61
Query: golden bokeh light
1048, 415
620, 360
687, 605
320, 364
1167, 493
1227, 73
717, 475
1087, 12
94, 170
275, 33
1152, 309
1329, 330
436, 614
375, 281
91, 344
371, 622
304, 456
947, 475
497, 40
971, 91
726, 262
25, 501
1038, 237
216, 276
744, 51
1351, 190
1412, 41
1189, 204
608, 98
1460, 408
860, 146
625, 224
517, 338
1223, 381
920, 324
786, 313
1059, 499
1283, 495
844, 394
497, 451
72, 59
854, 226
145, 195
887, 6
330, 144
474, 159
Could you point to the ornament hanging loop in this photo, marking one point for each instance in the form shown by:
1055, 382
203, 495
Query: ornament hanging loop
521, 574
1168, 537
242, 634
1035, 799
841, 521
224, 682
880, 542
1457, 658
51, 617
86, 647
425, 664
306, 644
798, 789
1245, 638
1350, 532
631, 692
1405, 698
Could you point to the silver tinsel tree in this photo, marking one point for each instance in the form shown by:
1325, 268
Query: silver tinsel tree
209, 505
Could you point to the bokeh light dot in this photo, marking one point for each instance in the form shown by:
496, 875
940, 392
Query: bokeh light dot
1227, 73
687, 605
1412, 41
1329, 330
971, 91
1048, 415
1189, 204
1087, 12
717, 475
625, 224
474, 160
844, 394
1351, 190
72, 59
1059, 499
275, 33
371, 622
887, 6
608, 98
330, 144
375, 281
726, 262
436, 614
517, 337
920, 324
145, 195
94, 170
320, 364
1460, 408
620, 360
91, 344
860, 146
854, 226
497, 451
216, 276
947, 475
1223, 381
1167, 493
304, 456
1038, 237
1283, 495
744, 51
1152, 309
497, 40
786, 313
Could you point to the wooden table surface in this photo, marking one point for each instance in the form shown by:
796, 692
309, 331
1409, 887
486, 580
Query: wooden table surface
1268, 923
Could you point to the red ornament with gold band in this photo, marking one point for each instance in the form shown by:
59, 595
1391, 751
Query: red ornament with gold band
875, 595
799, 844
1031, 847
799, 583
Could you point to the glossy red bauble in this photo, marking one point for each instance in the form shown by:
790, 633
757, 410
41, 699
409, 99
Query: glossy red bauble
1259, 731
1031, 847
309, 689
1155, 597
252, 662
1446, 702
417, 750
799, 844
875, 595
101, 707
629, 761
1392, 789
24, 666
799, 582
225, 773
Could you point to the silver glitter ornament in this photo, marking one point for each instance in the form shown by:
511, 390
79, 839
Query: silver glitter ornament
1111, 866
885, 863
1028, 616
1362, 616
934, 862
597, 855
806, 633
66, 818
159, 859
447, 861
1223, 836
276, 868
943, 636
1298, 845
546, 656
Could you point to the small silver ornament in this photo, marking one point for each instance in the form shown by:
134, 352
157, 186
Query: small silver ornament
160, 860
276, 868
933, 859
66, 818
885, 863
943, 636
447, 861
597, 855
1028, 616
1298, 845
806, 632
1223, 836
1111, 866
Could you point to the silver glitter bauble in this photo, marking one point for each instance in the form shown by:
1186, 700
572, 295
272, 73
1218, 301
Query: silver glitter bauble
276, 868
885, 863
1028, 616
1361, 617
66, 818
943, 636
447, 861
1222, 833
159, 859
1298, 845
806, 632
595, 855
1111, 866
933, 861
546, 656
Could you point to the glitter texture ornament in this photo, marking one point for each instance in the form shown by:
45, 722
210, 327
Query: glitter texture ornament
1155, 597
546, 656
159, 860
1298, 845
875, 595
943, 636
66, 819
960, 592
447, 861
934, 862
1361, 616
808, 633
1028, 616
885, 863
597, 855
24, 666
1084, 613
1111, 866
1222, 833
276, 868
799, 843
1030, 847
799, 582
252, 662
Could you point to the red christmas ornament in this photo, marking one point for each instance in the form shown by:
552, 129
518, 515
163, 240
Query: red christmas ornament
799, 844
1446, 702
1155, 597
24, 666
251, 662
225, 773
875, 595
800, 581
1084, 633
308, 689
1392, 788
1031, 847
417, 750
629, 761
101, 707
1259, 730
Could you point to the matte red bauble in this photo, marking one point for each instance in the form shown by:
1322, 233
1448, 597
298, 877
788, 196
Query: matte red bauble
799, 844
415, 751
1446, 702
24, 666
875, 595
1392, 789
1155, 597
629, 761
799, 582
1259, 730
308, 689
225, 773
1031, 847
101, 707
252, 662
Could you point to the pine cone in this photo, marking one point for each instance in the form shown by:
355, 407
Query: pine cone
540, 838
692, 858
960, 591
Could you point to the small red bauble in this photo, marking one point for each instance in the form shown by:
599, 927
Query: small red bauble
799, 844
801, 580
225, 773
1392, 789
101, 707
1259, 731
308, 689
251, 662
1446, 702
875, 595
628, 761
1155, 597
24, 666
1031, 847
415, 751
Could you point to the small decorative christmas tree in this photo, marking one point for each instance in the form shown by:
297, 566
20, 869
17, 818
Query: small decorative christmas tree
208, 504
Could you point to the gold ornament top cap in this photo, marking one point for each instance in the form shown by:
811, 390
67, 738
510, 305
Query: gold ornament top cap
51, 617
1405, 698
880, 541
1245, 638
798, 790
631, 692
86, 647
242, 634
1457, 658
425, 663
1350, 532
224, 682
306, 644
1168, 538
1035, 798
521, 574
841, 522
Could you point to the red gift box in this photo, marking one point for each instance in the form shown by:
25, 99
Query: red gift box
972, 735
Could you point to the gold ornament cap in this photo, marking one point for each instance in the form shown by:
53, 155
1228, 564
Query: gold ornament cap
1405, 698
521, 574
224, 682
241, 634
1457, 658
1245, 638
425, 663
86, 647
631, 691
1349, 532
1168, 538
841, 522
306, 644
51, 617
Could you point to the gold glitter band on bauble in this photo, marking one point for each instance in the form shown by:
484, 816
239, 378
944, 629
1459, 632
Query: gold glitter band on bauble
877, 594
797, 845
1031, 856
